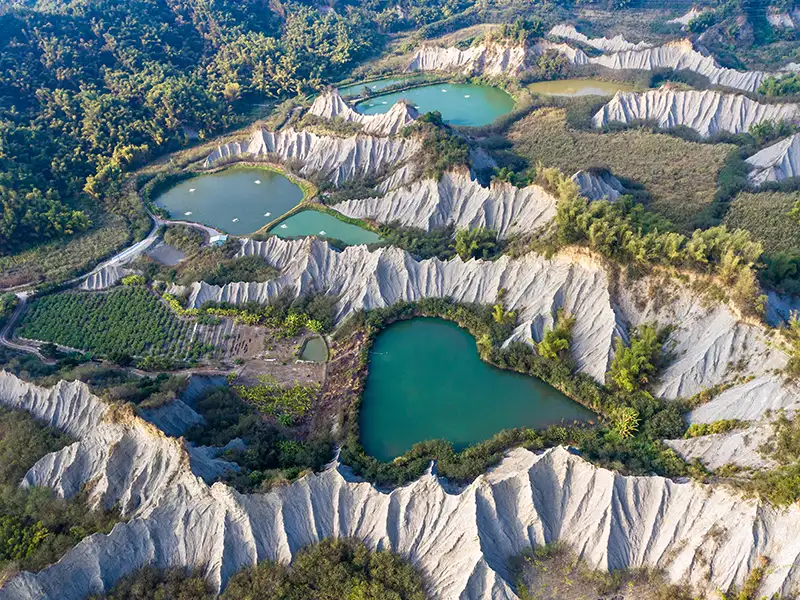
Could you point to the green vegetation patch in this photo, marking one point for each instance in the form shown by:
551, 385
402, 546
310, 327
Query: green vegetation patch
331, 570
127, 320
341, 569
680, 176
273, 453
766, 216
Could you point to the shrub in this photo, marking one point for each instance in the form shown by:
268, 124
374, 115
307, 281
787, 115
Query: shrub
331, 570
634, 364
555, 343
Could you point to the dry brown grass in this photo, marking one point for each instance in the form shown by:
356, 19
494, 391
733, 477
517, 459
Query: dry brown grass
765, 216
680, 176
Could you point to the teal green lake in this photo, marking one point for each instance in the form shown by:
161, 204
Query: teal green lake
426, 382
313, 222
579, 87
465, 104
315, 350
377, 85
238, 201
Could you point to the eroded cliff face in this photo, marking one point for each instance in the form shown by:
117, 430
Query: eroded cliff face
330, 105
461, 541
337, 159
777, 162
457, 199
710, 345
615, 44
492, 59
603, 186
708, 112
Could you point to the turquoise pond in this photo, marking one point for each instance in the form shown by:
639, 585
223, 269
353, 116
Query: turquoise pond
313, 222
426, 381
237, 201
465, 104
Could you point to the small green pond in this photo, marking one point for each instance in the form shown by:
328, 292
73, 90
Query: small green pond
315, 350
377, 85
314, 222
238, 201
426, 382
460, 103
579, 87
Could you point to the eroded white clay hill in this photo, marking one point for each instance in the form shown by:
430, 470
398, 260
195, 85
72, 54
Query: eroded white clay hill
710, 344
461, 541
105, 277
681, 56
492, 59
336, 159
707, 112
495, 59
598, 186
508, 59
615, 44
777, 162
457, 199
688, 17
330, 105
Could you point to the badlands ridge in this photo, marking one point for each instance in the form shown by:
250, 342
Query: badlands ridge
461, 540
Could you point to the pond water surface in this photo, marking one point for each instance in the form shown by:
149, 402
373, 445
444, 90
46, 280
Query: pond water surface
238, 201
315, 350
313, 222
426, 382
460, 103
579, 87
354, 89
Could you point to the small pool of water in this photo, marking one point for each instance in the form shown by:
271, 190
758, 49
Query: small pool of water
313, 222
315, 350
238, 201
465, 104
355, 89
426, 382
579, 87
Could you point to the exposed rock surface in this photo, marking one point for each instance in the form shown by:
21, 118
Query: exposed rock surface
679, 56
459, 200
461, 542
710, 345
330, 105
173, 418
688, 17
777, 162
706, 112
602, 186
492, 59
105, 278
337, 159
739, 447
615, 44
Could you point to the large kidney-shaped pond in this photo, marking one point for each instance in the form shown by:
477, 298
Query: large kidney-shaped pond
460, 103
426, 382
238, 201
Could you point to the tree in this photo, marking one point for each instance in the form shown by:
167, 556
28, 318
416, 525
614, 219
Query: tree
555, 342
475, 243
633, 365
